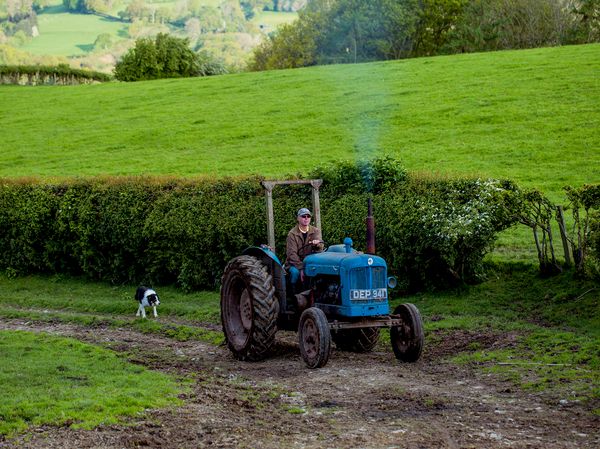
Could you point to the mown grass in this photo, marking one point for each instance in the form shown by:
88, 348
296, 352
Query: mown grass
61, 381
528, 115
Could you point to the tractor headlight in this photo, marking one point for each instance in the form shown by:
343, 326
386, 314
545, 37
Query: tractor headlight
392, 282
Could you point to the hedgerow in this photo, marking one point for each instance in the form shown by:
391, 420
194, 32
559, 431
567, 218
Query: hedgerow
36, 74
433, 233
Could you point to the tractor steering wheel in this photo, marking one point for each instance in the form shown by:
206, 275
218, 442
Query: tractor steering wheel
325, 245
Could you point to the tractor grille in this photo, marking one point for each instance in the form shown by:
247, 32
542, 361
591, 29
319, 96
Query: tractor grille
368, 280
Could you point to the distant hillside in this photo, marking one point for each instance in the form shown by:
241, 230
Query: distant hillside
50, 33
529, 115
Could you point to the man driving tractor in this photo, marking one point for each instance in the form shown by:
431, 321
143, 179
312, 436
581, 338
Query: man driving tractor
302, 240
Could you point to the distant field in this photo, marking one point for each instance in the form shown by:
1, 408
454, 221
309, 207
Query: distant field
271, 20
531, 116
64, 34
67, 34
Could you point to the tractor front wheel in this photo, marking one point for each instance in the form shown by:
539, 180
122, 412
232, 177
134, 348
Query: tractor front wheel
249, 308
407, 339
314, 337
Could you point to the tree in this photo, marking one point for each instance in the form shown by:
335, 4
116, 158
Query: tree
333, 31
588, 26
18, 9
103, 41
437, 18
164, 57
139, 63
98, 6
292, 46
74, 5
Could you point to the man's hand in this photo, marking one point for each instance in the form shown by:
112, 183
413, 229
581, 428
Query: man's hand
315, 242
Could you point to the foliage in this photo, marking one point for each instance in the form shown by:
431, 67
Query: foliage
210, 65
340, 31
584, 237
375, 176
103, 41
164, 57
62, 74
356, 31
536, 211
433, 233
10, 55
588, 13
437, 233
436, 20
293, 46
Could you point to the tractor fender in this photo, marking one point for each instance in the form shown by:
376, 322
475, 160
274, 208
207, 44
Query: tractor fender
273, 264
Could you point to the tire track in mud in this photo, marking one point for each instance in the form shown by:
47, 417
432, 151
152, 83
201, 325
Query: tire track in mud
356, 401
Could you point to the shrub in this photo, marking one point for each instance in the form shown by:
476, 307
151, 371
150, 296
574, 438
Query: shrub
433, 233
164, 57
26, 221
584, 237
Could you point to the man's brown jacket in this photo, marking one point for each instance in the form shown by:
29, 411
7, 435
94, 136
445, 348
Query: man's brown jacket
295, 249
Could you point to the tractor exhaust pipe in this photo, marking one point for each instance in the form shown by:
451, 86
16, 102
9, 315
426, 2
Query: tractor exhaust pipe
370, 228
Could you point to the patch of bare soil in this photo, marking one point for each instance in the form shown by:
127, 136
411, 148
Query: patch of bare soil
356, 401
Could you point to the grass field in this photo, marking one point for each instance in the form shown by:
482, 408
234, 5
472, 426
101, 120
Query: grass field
61, 381
65, 34
270, 20
554, 326
531, 116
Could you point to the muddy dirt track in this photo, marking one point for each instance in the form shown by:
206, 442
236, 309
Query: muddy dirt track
356, 401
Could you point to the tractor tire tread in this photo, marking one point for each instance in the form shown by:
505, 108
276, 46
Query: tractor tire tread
265, 307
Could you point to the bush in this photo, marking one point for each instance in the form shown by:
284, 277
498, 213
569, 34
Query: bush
164, 57
433, 233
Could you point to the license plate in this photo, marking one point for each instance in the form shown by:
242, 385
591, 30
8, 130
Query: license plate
368, 294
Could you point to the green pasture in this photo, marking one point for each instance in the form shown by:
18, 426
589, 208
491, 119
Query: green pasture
61, 381
529, 115
65, 34
270, 20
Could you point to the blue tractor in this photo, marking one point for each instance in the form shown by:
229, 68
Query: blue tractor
344, 300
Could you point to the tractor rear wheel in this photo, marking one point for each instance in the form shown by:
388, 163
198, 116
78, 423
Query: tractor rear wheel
356, 340
314, 337
407, 339
249, 308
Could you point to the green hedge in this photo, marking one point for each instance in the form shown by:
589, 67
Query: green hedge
433, 233
50, 74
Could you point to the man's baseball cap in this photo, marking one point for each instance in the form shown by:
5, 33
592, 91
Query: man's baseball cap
303, 211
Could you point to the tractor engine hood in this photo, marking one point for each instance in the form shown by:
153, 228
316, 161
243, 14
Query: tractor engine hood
337, 263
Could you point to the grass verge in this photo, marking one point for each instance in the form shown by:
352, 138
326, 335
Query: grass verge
543, 335
61, 381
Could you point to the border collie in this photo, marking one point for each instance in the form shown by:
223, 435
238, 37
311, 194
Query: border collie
147, 298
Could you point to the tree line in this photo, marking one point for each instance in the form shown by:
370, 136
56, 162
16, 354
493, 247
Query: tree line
343, 31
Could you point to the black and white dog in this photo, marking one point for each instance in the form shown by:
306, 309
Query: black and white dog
147, 298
